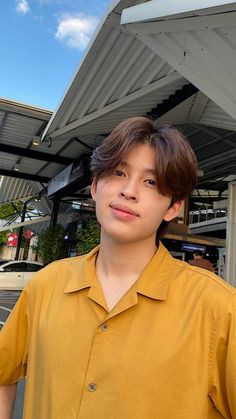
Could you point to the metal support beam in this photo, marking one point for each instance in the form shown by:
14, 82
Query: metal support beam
20, 231
83, 143
55, 211
26, 176
174, 100
25, 110
230, 275
32, 154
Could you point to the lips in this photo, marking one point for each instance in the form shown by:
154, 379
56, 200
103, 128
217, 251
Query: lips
124, 209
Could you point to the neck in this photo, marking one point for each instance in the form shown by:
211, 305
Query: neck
124, 260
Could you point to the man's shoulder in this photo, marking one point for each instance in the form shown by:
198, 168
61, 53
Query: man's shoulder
67, 263
56, 274
201, 280
58, 266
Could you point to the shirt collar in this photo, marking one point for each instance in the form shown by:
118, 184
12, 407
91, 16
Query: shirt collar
153, 283
84, 272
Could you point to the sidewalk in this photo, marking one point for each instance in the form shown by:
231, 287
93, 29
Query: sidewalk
18, 410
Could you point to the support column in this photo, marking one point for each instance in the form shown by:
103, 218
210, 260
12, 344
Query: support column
186, 211
55, 211
20, 231
230, 275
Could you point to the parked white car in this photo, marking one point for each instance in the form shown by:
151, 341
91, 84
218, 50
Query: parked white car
15, 274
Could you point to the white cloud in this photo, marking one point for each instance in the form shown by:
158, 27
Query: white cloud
76, 30
22, 6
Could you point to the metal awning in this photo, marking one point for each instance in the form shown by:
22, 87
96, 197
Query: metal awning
197, 40
12, 189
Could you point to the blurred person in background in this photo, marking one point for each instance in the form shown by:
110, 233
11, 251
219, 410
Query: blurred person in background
200, 261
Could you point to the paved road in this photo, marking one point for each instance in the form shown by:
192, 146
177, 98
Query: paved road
19, 400
7, 302
9, 297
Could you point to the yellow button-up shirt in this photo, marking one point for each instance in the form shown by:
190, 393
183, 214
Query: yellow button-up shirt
167, 350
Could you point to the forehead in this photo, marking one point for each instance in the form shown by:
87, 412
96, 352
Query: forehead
142, 155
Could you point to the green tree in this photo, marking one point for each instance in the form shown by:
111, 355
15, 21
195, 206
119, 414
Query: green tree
3, 238
6, 211
88, 237
51, 244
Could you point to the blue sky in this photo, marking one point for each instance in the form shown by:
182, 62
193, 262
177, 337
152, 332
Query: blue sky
42, 44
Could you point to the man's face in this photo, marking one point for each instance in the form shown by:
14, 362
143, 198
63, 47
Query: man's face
128, 204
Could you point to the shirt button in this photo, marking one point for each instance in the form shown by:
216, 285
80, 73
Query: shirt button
104, 327
92, 387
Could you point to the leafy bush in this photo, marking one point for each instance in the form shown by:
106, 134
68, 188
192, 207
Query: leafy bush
88, 237
3, 238
51, 244
6, 211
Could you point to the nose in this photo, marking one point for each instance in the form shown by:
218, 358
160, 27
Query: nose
129, 190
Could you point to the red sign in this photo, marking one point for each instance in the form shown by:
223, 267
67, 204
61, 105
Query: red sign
28, 234
12, 239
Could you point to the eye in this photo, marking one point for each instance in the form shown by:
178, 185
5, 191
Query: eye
119, 173
150, 182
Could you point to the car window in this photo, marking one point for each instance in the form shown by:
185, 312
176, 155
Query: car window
32, 267
15, 267
3, 261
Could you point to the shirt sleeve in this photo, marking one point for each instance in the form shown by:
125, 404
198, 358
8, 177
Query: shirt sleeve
223, 383
14, 343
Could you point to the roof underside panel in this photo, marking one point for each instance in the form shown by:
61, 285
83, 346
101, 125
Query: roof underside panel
180, 114
16, 189
19, 130
30, 165
202, 48
216, 117
211, 150
49, 170
19, 125
109, 87
8, 161
2, 114
76, 148
140, 106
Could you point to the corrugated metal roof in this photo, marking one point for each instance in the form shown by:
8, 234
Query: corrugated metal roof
201, 47
19, 123
117, 70
20, 127
14, 189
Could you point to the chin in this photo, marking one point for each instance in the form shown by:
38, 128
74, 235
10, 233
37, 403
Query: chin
128, 238
118, 236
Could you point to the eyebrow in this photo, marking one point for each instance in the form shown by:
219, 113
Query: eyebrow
126, 165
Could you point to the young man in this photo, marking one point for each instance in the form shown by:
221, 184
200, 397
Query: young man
126, 331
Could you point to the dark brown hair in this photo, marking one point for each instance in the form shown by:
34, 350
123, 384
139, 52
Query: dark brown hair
176, 165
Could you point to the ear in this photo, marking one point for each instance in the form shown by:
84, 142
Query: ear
173, 211
94, 188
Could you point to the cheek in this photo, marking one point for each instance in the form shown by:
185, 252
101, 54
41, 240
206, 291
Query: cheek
101, 192
101, 202
159, 213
